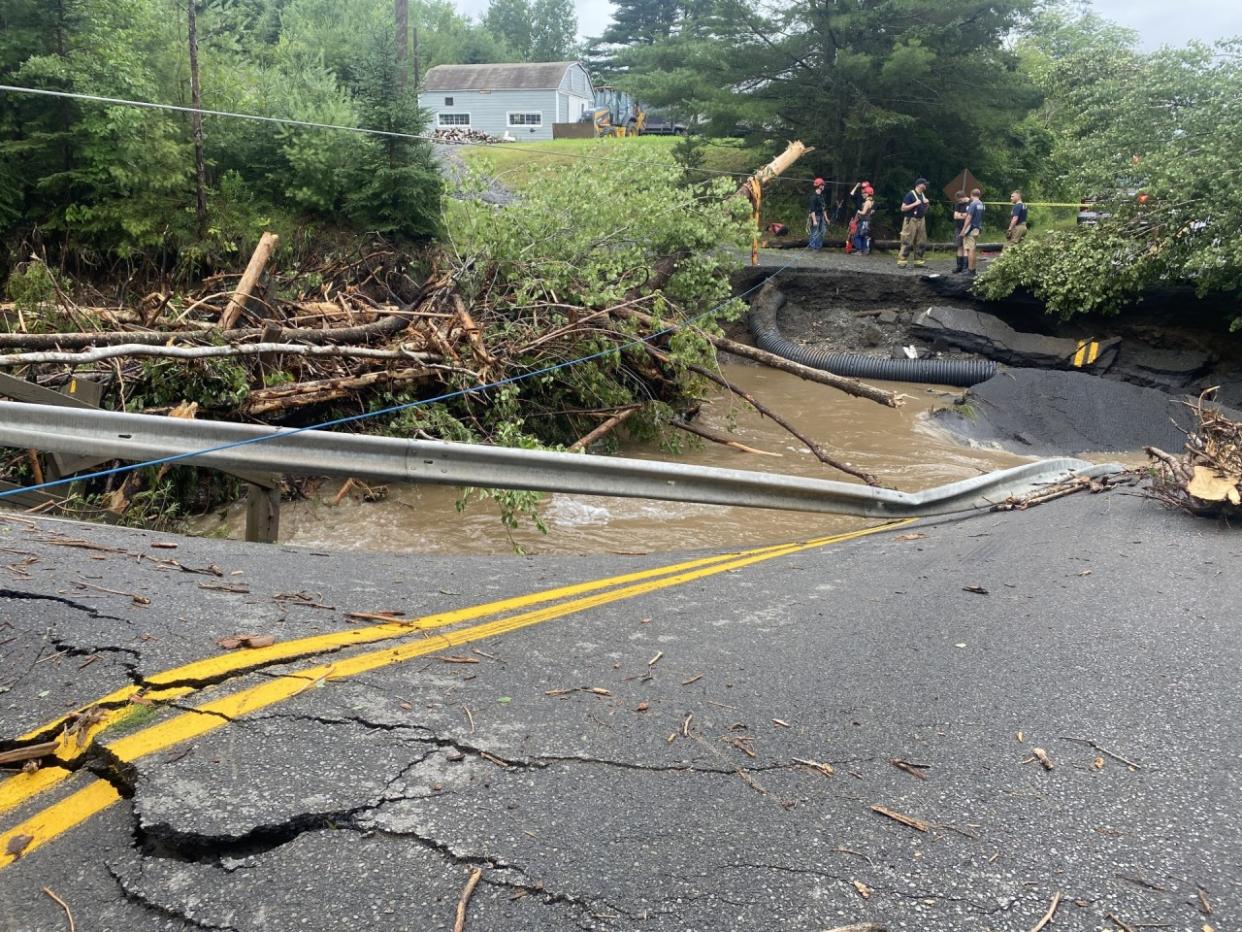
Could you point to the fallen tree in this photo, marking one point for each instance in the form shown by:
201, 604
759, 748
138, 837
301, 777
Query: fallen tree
537, 325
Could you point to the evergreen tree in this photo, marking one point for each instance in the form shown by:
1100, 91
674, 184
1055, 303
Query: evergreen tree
397, 183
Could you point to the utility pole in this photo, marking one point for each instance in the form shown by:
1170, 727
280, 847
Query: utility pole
401, 13
196, 119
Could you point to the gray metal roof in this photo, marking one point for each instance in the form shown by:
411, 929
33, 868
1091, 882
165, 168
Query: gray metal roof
537, 76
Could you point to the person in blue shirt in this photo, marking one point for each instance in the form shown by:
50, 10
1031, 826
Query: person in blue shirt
1017, 220
972, 226
914, 224
817, 215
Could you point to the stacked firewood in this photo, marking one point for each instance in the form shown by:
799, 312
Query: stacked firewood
462, 135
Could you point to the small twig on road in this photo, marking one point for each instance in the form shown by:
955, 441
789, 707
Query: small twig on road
1118, 923
63, 905
469, 716
1103, 750
1052, 909
859, 927
685, 726
914, 770
464, 902
917, 824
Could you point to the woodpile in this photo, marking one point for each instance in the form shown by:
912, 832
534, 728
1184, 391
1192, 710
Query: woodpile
1206, 480
462, 136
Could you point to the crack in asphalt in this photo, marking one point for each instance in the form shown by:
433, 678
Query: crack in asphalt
163, 909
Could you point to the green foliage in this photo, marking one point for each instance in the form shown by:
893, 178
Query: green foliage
217, 384
533, 30
1153, 140
887, 91
101, 181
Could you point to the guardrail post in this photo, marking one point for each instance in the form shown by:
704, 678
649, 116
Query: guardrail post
262, 513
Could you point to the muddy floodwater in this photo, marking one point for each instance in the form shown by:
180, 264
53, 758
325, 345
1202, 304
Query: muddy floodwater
899, 446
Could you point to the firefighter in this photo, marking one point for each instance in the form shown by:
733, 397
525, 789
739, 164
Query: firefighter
914, 224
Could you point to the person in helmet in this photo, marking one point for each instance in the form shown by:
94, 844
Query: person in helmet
862, 232
817, 215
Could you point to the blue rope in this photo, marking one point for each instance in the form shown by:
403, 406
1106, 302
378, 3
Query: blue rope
181, 457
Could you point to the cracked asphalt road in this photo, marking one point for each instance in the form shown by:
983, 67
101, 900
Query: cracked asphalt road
642, 764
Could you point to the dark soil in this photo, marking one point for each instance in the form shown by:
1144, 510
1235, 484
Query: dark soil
851, 303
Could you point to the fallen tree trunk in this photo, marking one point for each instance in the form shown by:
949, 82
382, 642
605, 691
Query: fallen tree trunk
212, 352
300, 394
849, 386
793, 152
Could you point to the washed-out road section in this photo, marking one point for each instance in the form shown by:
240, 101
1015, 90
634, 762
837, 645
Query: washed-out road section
643, 764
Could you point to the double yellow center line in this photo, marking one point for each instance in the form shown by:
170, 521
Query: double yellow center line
98, 795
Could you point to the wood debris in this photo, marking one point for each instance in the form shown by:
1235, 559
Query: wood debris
63, 905
914, 770
1052, 911
246, 640
463, 902
822, 766
1206, 480
919, 825
863, 890
1039, 754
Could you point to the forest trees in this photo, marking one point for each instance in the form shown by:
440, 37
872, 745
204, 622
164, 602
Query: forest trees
1153, 140
888, 90
95, 181
534, 30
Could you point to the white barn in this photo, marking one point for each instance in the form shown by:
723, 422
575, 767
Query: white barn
523, 100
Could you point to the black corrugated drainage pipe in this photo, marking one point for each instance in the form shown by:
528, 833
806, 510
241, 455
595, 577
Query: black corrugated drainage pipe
762, 320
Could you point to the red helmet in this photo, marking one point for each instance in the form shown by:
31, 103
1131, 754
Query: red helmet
819, 182
867, 189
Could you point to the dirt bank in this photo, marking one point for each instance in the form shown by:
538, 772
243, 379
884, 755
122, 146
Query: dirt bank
866, 304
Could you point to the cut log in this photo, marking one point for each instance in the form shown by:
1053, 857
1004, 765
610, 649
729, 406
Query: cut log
245, 288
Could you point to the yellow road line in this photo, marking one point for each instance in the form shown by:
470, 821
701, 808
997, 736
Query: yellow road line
72, 744
225, 664
76, 808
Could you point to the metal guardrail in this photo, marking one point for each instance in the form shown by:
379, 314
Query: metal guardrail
139, 437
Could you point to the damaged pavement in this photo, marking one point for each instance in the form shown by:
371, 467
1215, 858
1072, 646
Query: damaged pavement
841, 735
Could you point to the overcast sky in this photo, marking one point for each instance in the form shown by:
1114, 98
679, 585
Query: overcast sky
1159, 22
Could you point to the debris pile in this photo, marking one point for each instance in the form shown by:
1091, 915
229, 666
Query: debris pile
1206, 480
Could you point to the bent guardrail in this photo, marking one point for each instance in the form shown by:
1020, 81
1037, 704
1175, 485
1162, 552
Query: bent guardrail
228, 446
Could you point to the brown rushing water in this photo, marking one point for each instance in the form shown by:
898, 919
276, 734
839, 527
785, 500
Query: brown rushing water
899, 446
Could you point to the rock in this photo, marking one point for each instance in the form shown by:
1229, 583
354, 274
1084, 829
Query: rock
888, 317
872, 335
977, 332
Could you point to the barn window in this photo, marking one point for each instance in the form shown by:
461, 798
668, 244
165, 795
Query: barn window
454, 119
526, 119
448, 101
